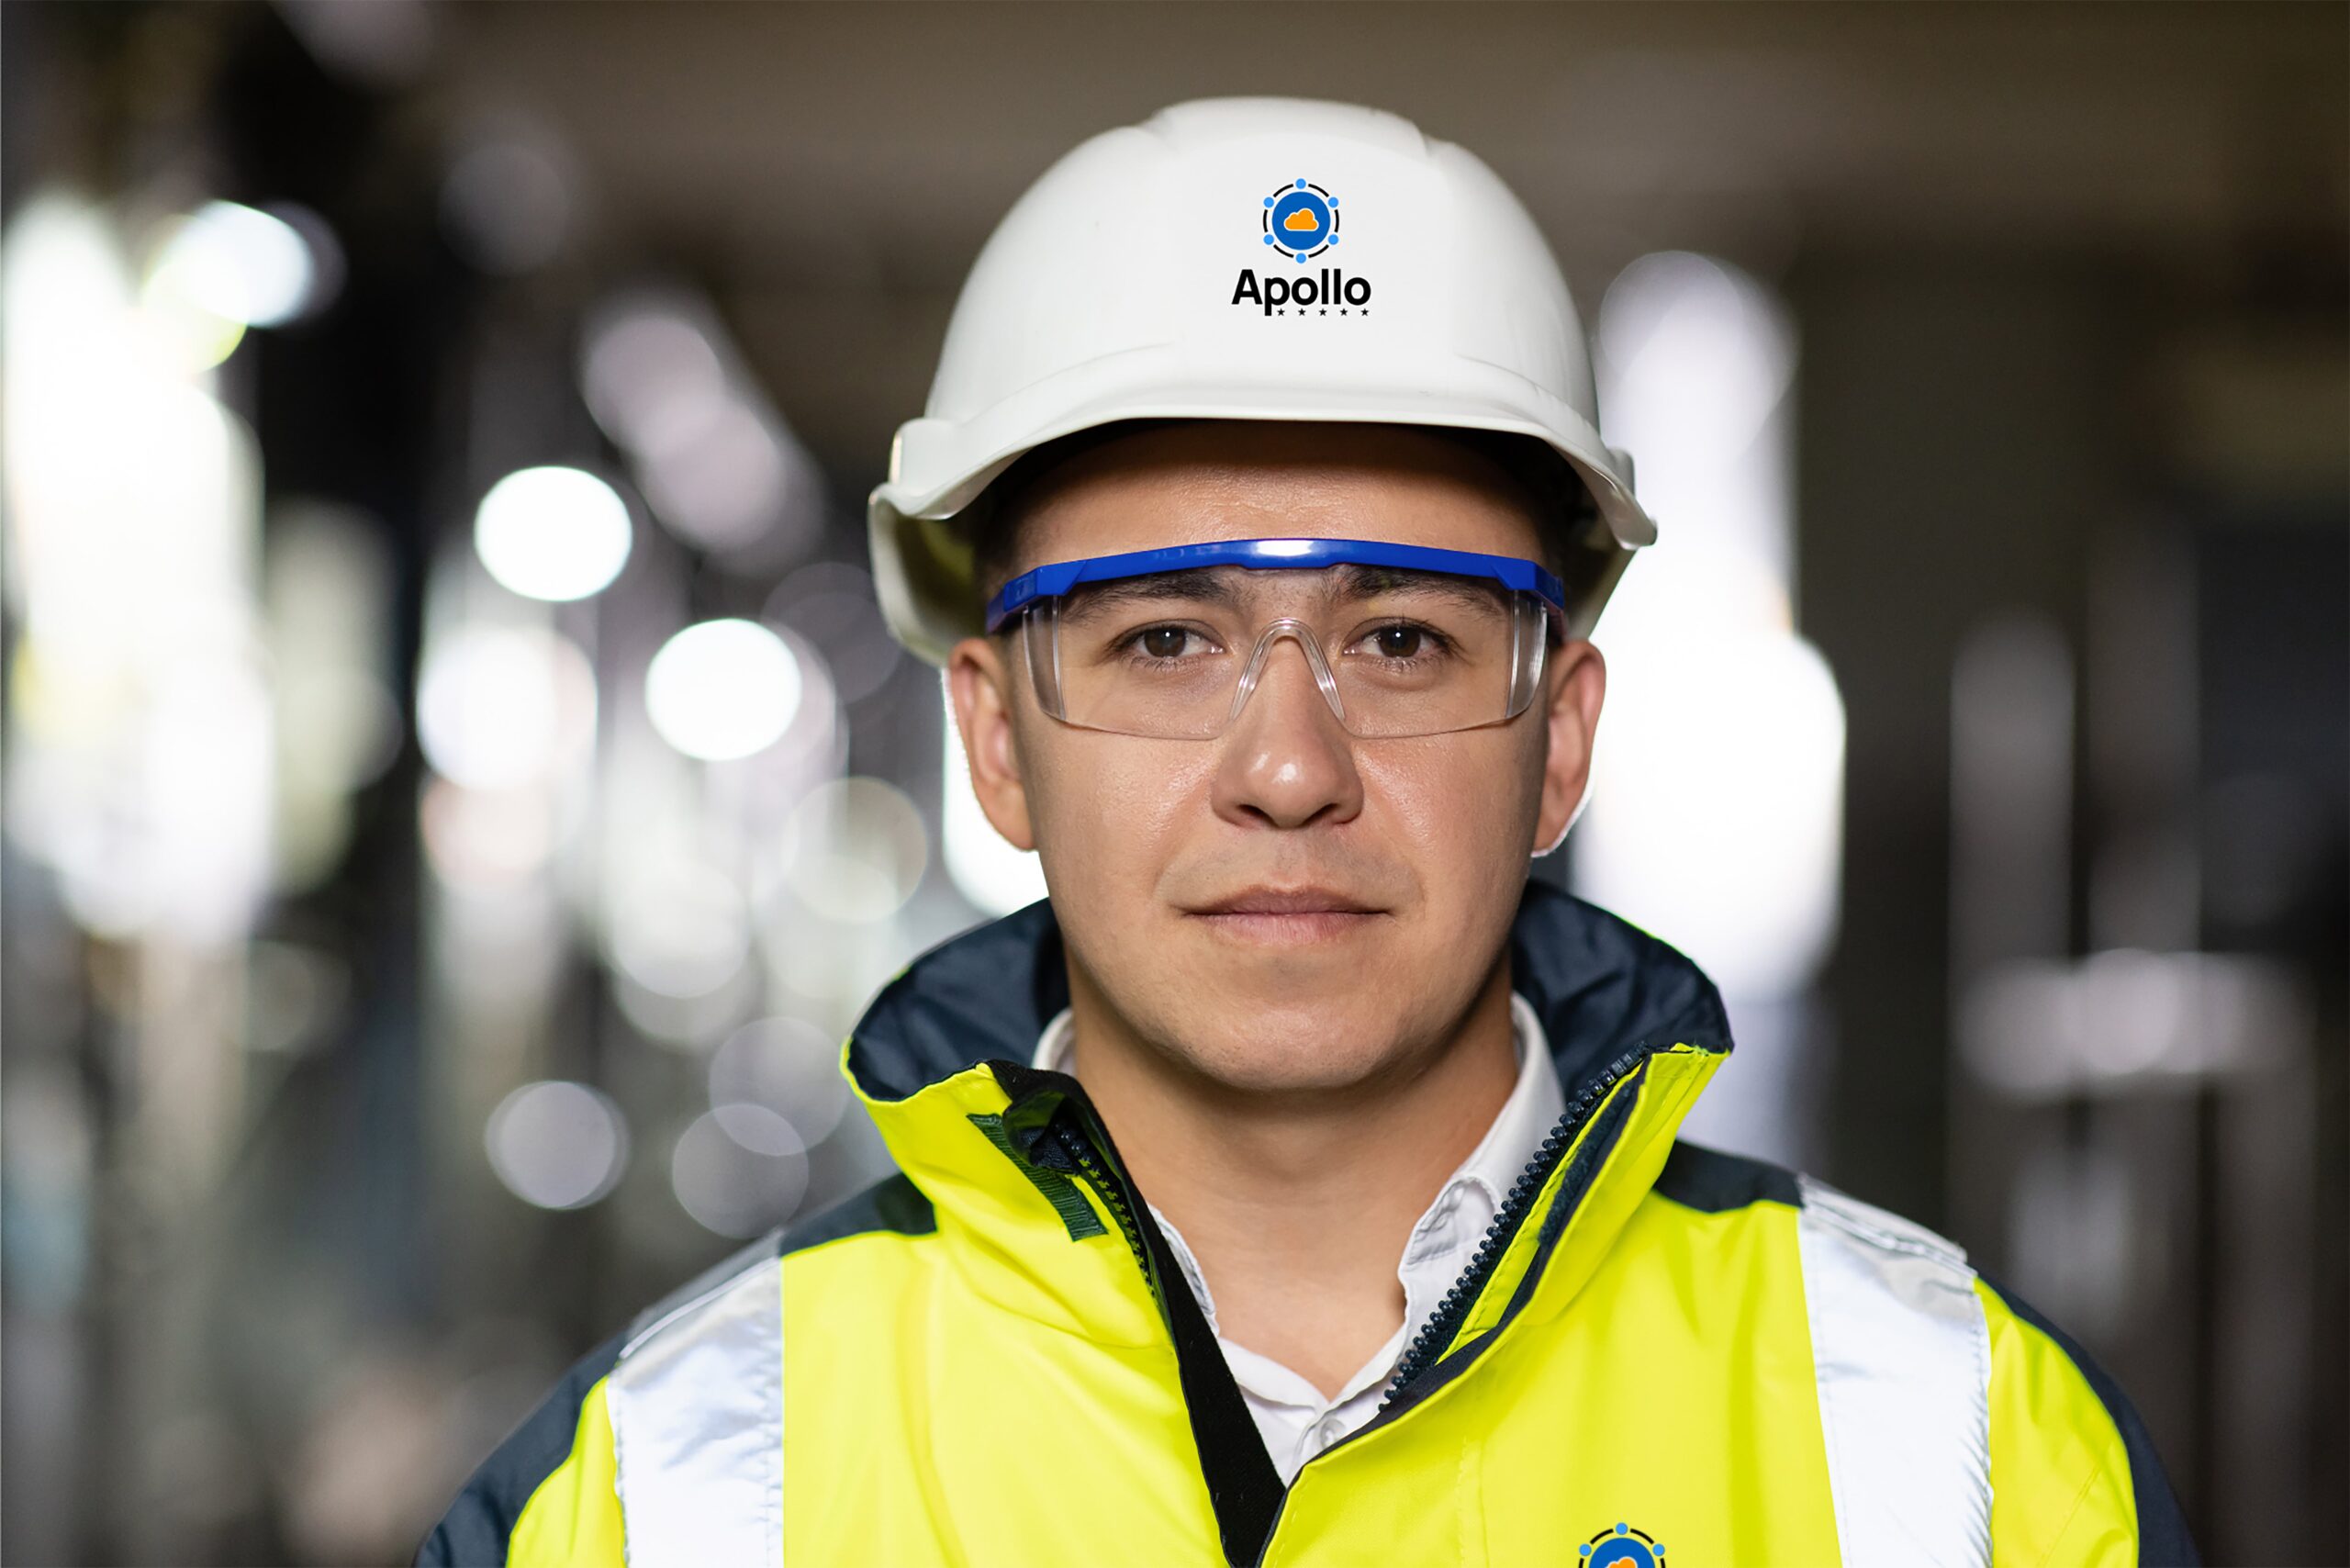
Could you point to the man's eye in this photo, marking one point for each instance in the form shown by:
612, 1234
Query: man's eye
1163, 642
1403, 642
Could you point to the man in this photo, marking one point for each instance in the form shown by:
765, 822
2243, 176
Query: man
1298, 1184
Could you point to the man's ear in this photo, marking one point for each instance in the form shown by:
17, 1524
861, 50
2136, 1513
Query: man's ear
981, 687
1577, 683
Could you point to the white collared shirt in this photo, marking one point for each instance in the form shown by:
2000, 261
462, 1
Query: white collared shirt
1294, 1419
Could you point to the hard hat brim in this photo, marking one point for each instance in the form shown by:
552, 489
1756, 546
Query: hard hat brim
922, 566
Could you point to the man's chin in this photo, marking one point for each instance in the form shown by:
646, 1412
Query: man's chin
1305, 1072
1292, 1045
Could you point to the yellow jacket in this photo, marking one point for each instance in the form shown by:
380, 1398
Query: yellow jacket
1661, 1354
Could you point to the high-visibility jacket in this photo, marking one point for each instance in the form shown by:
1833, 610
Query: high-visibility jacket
1661, 1354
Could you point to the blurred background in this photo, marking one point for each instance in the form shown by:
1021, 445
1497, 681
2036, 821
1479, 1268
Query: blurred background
459, 791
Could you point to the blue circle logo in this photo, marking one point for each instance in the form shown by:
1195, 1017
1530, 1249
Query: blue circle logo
1622, 1547
1300, 220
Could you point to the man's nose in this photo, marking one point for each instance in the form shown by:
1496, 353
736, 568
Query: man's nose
1287, 760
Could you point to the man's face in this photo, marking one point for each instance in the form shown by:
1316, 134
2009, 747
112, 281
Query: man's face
1415, 848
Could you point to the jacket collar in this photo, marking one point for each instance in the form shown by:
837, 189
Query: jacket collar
934, 1052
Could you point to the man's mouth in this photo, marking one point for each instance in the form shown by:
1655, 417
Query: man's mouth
1287, 916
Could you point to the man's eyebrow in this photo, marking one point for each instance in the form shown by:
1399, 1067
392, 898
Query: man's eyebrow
1366, 582
1202, 584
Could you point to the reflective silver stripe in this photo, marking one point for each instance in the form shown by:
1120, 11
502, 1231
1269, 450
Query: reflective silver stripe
697, 1407
1902, 1356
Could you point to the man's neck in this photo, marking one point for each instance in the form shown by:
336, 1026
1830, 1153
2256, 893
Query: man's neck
1297, 1207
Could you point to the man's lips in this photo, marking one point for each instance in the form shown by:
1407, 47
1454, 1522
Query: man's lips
1286, 916
1287, 901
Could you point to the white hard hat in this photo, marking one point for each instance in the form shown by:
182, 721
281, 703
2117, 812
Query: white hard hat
1244, 259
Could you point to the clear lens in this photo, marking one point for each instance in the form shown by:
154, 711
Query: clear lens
1394, 653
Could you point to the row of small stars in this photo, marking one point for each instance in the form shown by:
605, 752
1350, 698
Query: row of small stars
1300, 310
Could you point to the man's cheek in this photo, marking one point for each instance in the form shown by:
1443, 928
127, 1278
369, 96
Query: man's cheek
1104, 834
1438, 797
1143, 807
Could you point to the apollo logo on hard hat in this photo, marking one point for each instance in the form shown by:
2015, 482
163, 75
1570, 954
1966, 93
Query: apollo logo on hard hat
1301, 221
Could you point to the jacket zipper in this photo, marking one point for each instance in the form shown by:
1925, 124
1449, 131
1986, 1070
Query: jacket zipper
1427, 1345
1112, 1193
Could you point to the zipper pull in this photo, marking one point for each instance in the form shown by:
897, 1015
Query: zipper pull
1040, 1111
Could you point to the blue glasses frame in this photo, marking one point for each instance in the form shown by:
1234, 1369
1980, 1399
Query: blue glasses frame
1052, 581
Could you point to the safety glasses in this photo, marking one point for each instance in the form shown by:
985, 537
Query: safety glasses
1401, 639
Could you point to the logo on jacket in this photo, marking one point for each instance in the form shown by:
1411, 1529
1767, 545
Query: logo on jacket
1623, 1547
1300, 220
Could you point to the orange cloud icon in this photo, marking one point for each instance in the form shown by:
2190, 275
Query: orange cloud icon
1302, 221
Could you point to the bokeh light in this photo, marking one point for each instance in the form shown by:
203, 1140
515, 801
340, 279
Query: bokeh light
482, 840
831, 604
722, 689
501, 706
679, 926
240, 263
856, 849
734, 1189
723, 480
688, 1024
717, 464
553, 533
651, 374
786, 1066
508, 203
557, 1145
